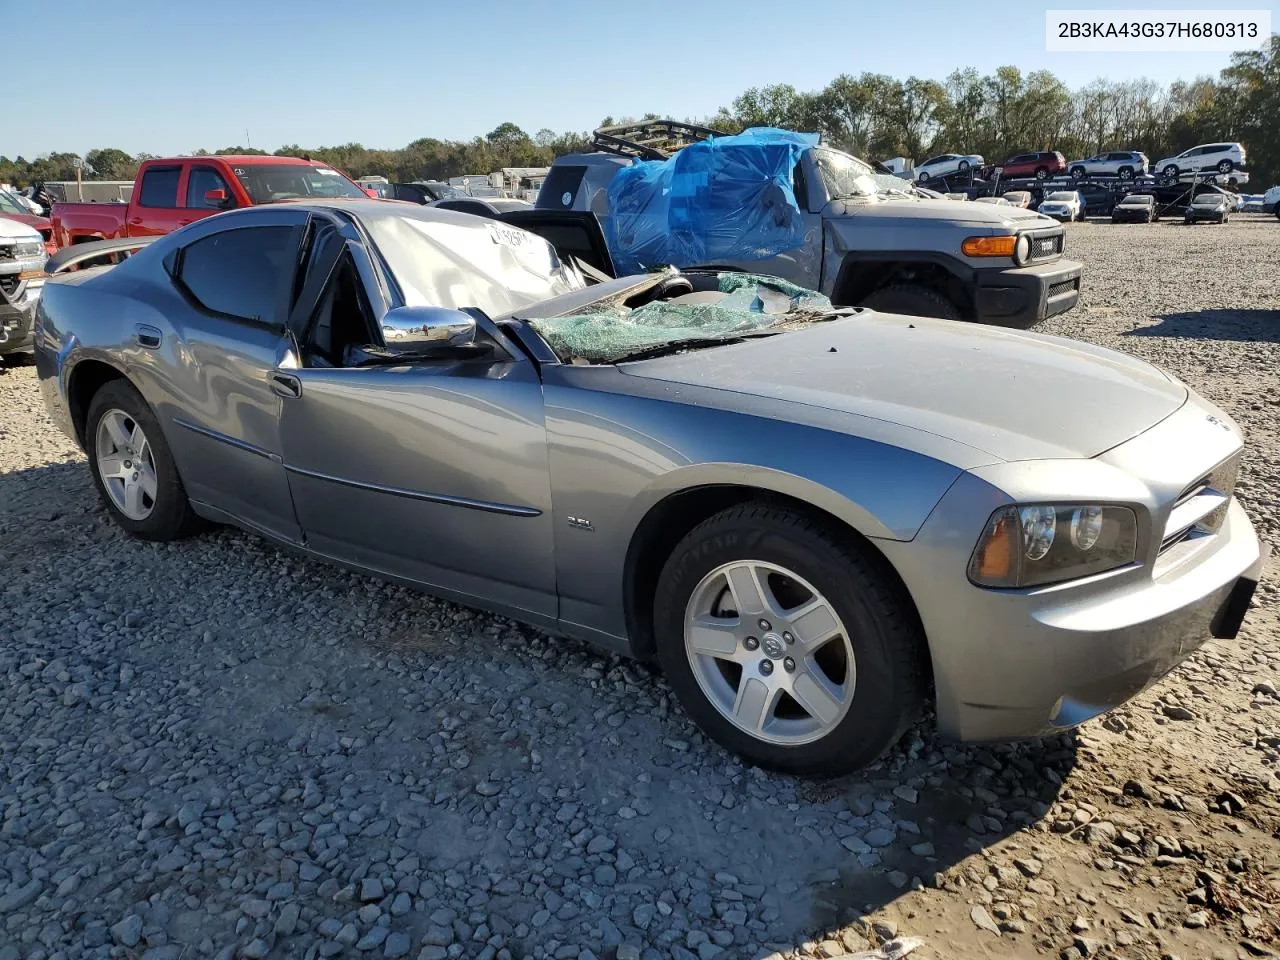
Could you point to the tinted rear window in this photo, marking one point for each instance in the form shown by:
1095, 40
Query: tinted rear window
240, 272
159, 187
561, 182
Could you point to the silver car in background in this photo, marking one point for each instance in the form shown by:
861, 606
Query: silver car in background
815, 519
947, 164
22, 260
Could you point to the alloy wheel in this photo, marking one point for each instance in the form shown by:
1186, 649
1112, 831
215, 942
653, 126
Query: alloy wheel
769, 652
125, 465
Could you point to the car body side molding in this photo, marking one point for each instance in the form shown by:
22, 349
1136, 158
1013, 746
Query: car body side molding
487, 506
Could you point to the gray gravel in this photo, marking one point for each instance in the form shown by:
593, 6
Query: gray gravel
216, 749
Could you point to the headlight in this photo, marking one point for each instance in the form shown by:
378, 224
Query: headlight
1027, 546
1022, 251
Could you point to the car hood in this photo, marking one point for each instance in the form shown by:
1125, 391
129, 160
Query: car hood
12, 227
987, 214
1011, 394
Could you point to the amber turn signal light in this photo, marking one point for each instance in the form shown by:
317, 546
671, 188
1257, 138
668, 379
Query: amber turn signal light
989, 246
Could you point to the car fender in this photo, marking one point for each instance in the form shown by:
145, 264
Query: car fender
622, 449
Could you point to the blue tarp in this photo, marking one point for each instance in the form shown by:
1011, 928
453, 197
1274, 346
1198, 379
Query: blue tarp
726, 198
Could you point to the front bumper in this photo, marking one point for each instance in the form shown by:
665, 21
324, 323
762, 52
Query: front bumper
1217, 216
1122, 217
1010, 664
1023, 296
17, 318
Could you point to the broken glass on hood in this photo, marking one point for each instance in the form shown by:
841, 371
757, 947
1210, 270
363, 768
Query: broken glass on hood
741, 305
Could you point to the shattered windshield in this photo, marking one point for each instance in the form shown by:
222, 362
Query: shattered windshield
845, 176
741, 305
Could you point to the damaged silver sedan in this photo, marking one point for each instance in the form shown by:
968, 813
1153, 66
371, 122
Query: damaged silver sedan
816, 520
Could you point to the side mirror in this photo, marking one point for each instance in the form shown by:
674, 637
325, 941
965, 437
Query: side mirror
216, 198
413, 329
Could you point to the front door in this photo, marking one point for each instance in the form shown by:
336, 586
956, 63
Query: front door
434, 471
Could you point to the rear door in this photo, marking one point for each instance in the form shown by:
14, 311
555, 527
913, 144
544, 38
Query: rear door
223, 397
155, 209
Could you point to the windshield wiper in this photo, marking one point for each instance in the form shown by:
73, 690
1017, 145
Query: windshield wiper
692, 343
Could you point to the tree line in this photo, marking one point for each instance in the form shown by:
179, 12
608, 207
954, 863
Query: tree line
870, 115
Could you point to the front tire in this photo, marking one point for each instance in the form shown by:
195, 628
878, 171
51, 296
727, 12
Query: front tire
913, 300
1042, 173
922, 176
132, 467
963, 166
1171, 171
786, 643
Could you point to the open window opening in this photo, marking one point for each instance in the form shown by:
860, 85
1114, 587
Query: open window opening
343, 320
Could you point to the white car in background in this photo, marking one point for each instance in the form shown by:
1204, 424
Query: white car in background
947, 164
1271, 200
995, 200
1063, 205
1222, 157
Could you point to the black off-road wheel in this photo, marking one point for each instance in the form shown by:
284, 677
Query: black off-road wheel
913, 300
132, 467
787, 643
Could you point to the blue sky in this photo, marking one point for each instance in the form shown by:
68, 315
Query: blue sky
158, 76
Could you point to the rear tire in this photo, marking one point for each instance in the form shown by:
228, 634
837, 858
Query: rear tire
1225, 166
1076, 173
160, 509
1125, 173
913, 300
855, 693
1042, 173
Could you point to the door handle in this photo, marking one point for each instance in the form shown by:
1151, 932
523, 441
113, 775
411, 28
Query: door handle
146, 336
286, 385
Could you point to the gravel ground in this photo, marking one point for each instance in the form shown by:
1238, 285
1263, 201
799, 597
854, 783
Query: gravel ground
218, 749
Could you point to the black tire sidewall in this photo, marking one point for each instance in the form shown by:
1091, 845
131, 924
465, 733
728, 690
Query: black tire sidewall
171, 517
874, 720
920, 296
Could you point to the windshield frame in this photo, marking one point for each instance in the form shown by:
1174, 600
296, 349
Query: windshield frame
1061, 196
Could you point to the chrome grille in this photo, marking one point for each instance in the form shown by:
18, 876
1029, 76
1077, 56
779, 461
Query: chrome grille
1202, 506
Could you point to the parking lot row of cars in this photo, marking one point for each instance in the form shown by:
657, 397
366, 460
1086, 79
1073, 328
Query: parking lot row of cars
1125, 164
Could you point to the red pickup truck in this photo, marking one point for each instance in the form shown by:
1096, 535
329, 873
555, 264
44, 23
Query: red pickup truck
171, 193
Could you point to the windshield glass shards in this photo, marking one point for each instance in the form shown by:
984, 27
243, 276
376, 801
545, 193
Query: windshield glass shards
742, 305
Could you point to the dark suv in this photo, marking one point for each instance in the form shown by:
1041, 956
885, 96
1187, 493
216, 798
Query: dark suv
1042, 165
